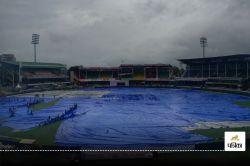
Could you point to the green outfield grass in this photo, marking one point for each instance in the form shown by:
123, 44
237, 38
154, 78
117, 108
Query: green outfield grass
40, 106
5, 130
2, 92
44, 135
218, 134
245, 104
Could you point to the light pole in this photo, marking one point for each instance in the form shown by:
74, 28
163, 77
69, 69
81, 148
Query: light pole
35, 41
203, 42
19, 75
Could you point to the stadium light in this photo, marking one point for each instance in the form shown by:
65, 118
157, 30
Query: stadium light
35, 41
203, 42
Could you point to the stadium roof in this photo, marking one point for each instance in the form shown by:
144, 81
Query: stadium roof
101, 68
145, 65
36, 65
228, 58
94, 68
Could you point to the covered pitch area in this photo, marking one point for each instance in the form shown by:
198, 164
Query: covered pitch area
121, 117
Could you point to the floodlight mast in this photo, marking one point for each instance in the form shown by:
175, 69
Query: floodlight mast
35, 41
203, 42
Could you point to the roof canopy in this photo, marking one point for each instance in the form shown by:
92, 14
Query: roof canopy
35, 65
229, 58
100, 68
145, 65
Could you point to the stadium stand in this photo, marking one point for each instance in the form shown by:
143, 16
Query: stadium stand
232, 66
147, 71
138, 73
106, 75
126, 72
91, 76
5, 58
223, 71
150, 73
27, 73
163, 73
125, 75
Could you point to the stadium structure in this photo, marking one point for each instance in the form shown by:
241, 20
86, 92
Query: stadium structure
93, 75
232, 71
32, 74
136, 116
7, 57
124, 75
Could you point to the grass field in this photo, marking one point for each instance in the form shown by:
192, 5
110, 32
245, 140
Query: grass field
5, 130
245, 104
2, 92
40, 106
44, 135
218, 134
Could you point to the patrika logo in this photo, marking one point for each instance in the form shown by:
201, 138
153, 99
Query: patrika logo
235, 141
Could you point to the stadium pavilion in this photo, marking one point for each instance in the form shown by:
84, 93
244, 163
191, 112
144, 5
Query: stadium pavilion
93, 75
29, 73
124, 75
236, 66
232, 69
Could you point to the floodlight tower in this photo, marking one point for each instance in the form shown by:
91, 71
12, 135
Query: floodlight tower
203, 42
35, 41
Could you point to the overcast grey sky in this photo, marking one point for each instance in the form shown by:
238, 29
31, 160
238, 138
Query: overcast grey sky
108, 32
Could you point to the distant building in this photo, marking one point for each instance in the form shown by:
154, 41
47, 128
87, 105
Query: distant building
28, 73
7, 57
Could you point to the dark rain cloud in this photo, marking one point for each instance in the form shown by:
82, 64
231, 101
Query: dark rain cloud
110, 32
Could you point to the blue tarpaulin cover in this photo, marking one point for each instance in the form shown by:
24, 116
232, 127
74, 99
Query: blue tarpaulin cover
130, 116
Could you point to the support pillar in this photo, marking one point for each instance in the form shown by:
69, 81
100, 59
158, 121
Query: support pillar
144, 73
13, 79
20, 70
188, 67
247, 70
217, 70
79, 74
236, 70
132, 73
157, 76
202, 69
209, 72
170, 73
225, 70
